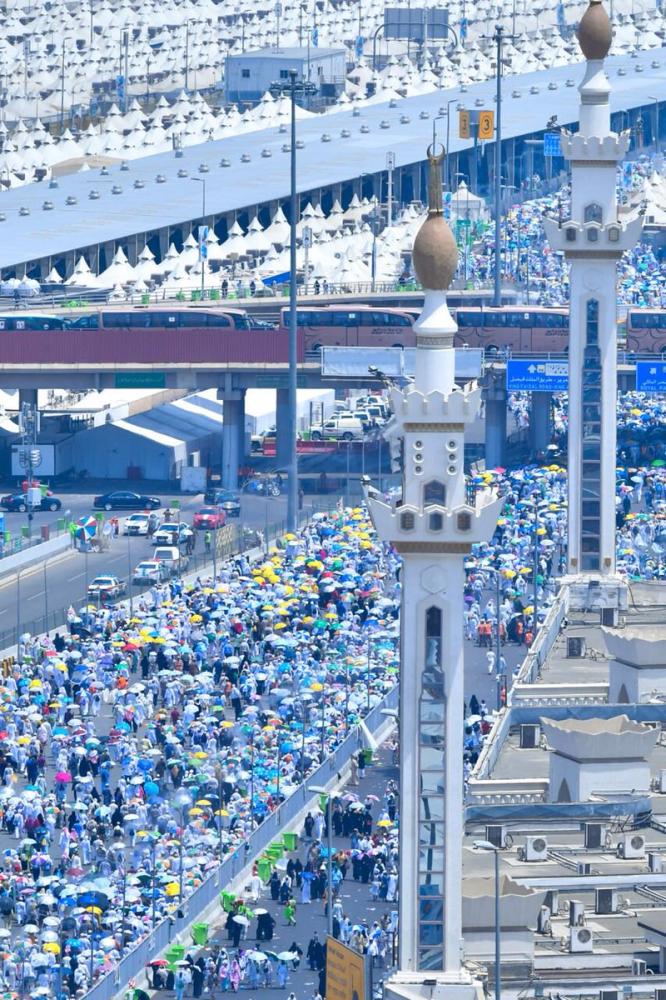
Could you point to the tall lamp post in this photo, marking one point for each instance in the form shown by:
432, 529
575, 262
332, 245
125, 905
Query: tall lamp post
203, 249
292, 494
498, 38
320, 790
485, 845
657, 148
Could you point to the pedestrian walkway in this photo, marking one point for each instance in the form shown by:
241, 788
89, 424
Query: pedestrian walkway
355, 896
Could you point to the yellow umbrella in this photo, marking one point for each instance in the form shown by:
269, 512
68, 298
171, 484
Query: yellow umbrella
195, 811
384, 822
52, 947
528, 610
35, 684
172, 889
316, 686
227, 724
23, 740
203, 802
221, 812
200, 755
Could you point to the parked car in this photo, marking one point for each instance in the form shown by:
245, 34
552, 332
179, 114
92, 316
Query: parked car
106, 587
228, 501
126, 500
150, 571
344, 426
171, 533
136, 524
209, 518
172, 557
19, 502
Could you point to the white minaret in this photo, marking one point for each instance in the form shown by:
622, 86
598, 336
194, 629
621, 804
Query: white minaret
593, 239
432, 526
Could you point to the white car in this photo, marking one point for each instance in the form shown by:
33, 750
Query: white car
171, 533
136, 524
150, 571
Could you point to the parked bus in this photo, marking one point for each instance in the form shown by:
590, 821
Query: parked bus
131, 318
356, 326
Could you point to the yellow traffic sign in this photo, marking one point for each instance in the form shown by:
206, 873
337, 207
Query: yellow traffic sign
463, 125
486, 124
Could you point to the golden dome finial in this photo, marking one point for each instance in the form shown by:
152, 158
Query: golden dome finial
435, 254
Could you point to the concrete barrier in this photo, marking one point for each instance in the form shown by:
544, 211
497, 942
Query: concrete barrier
35, 554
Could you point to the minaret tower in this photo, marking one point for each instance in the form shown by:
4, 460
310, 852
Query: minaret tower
593, 239
432, 526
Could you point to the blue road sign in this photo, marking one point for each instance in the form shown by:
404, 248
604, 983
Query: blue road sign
650, 376
360, 42
537, 375
552, 144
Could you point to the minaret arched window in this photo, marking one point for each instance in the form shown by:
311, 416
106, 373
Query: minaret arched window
593, 213
591, 424
434, 492
432, 765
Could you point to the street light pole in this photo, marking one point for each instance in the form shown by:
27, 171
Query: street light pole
657, 145
499, 40
203, 250
320, 790
292, 494
485, 845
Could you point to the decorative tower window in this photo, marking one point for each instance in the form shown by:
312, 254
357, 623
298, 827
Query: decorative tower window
432, 706
570, 234
434, 492
593, 213
464, 521
436, 522
591, 424
593, 234
613, 234
407, 520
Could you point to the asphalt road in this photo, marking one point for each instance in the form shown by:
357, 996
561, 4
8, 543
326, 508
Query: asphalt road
42, 591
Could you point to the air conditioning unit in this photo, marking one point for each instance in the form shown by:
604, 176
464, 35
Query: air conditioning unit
638, 967
633, 846
655, 865
535, 849
496, 835
552, 901
543, 921
605, 901
660, 994
575, 647
529, 737
583, 868
576, 913
595, 835
581, 940
609, 995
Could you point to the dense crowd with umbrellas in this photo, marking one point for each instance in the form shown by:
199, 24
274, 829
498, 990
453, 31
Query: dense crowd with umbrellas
136, 752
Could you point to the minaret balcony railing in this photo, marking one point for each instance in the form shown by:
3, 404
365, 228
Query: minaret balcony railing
612, 147
463, 525
591, 237
459, 406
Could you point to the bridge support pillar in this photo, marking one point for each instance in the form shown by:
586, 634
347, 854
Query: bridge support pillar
540, 422
282, 427
495, 433
233, 435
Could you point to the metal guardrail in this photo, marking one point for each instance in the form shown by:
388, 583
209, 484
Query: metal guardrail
134, 963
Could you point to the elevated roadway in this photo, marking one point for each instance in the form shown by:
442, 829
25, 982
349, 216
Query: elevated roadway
154, 199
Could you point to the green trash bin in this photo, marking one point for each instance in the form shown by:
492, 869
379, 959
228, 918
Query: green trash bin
175, 953
265, 869
276, 849
290, 841
367, 753
227, 899
200, 934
